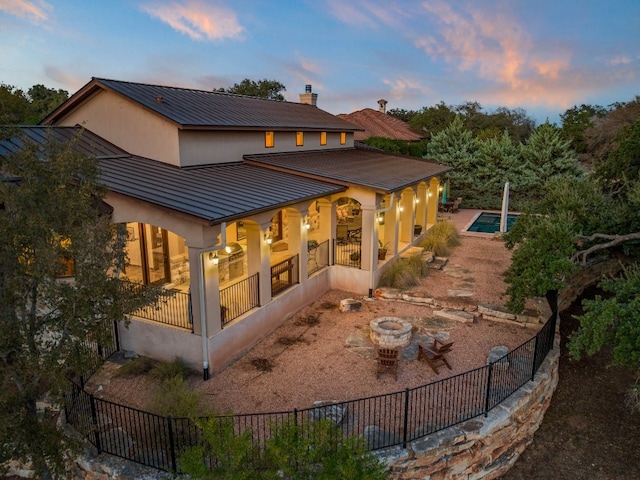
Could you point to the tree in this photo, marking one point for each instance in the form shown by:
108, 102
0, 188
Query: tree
576, 120
402, 114
433, 120
14, 105
43, 101
50, 224
269, 89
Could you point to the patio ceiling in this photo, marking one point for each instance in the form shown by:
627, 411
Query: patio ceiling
364, 167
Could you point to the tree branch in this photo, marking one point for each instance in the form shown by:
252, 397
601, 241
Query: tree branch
614, 240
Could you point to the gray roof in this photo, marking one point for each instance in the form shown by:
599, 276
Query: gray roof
365, 167
202, 109
214, 193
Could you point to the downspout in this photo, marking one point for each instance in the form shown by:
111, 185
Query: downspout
203, 307
373, 258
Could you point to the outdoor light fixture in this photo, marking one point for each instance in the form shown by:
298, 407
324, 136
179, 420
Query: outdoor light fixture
213, 258
417, 201
227, 249
307, 225
401, 208
430, 194
267, 239
440, 188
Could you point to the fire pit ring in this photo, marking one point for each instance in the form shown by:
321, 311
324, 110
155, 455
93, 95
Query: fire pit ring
390, 332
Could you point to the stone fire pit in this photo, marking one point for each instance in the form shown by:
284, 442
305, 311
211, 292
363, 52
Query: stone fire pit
390, 332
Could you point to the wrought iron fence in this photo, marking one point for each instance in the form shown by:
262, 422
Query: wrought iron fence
318, 256
172, 308
239, 298
347, 251
384, 420
284, 275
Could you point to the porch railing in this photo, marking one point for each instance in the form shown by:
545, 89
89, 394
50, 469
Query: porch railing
172, 308
347, 252
284, 275
239, 298
318, 256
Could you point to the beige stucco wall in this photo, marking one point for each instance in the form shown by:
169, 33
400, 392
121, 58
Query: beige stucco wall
127, 125
201, 147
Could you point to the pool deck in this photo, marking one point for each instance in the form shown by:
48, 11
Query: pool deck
463, 220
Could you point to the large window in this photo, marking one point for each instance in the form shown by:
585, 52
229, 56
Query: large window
299, 139
323, 138
343, 138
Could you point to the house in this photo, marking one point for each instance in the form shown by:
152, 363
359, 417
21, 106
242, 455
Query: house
376, 123
244, 209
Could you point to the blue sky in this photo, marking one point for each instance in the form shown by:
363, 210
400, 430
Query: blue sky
542, 55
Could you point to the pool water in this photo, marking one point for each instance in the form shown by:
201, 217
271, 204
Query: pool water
490, 223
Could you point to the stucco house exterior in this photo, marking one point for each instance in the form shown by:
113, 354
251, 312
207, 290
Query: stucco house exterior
244, 209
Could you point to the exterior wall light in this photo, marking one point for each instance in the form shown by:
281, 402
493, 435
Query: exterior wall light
307, 225
213, 258
267, 239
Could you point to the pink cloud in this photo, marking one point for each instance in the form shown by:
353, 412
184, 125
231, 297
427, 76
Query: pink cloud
368, 13
34, 11
198, 19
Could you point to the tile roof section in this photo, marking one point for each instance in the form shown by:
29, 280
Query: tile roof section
379, 124
202, 109
214, 193
368, 168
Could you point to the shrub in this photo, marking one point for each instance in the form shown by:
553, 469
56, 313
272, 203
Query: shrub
165, 370
174, 397
404, 273
137, 366
441, 238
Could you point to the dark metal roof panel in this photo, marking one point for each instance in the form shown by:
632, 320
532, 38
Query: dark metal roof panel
215, 192
365, 167
208, 109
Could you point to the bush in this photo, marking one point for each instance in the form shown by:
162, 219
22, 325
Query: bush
137, 366
166, 370
404, 273
441, 238
174, 397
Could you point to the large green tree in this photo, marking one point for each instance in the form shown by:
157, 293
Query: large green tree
269, 89
51, 226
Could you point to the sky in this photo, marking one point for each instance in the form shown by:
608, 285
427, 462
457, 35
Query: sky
545, 56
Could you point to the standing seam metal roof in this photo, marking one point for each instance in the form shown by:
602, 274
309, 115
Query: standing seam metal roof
192, 108
369, 168
214, 193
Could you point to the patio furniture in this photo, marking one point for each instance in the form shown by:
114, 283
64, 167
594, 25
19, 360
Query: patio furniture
434, 358
388, 360
456, 205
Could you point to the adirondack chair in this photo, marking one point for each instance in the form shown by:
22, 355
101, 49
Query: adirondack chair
388, 360
435, 358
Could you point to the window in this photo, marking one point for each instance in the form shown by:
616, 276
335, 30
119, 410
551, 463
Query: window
343, 138
323, 138
299, 139
269, 139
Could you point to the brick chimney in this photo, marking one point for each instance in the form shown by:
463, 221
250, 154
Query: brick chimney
308, 97
382, 105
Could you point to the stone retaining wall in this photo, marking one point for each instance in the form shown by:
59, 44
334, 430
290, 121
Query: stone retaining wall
484, 447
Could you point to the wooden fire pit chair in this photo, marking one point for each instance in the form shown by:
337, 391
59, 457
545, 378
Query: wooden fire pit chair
388, 360
435, 356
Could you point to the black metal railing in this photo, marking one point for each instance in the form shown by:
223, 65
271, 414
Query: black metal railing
318, 256
347, 252
173, 307
384, 420
239, 298
284, 275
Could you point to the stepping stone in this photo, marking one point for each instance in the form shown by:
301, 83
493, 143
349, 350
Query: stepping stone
460, 293
350, 305
438, 263
457, 315
496, 354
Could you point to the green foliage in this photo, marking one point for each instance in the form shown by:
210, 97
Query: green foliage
403, 273
542, 256
575, 122
49, 213
612, 321
441, 238
166, 370
269, 89
20, 108
175, 397
137, 366
389, 145
315, 450
622, 167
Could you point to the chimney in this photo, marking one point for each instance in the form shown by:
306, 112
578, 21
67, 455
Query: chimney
308, 97
382, 106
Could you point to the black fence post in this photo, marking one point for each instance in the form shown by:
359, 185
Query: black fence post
535, 357
405, 426
488, 392
94, 418
172, 446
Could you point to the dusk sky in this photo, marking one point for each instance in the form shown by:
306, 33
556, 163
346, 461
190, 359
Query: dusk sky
542, 55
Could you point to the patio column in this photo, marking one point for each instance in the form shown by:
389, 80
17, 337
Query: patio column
406, 216
432, 208
211, 292
391, 227
421, 206
254, 247
369, 238
297, 239
327, 223
265, 264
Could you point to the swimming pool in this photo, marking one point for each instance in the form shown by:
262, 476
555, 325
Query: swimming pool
487, 222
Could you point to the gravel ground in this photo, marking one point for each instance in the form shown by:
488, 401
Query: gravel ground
324, 354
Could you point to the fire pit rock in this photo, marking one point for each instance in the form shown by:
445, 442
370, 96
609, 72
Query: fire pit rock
390, 332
